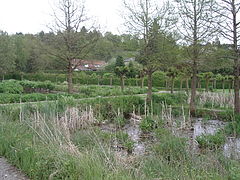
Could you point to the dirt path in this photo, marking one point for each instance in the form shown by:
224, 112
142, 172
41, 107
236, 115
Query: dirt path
9, 172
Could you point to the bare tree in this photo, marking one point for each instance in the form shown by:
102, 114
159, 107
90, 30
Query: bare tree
230, 31
70, 43
140, 16
198, 25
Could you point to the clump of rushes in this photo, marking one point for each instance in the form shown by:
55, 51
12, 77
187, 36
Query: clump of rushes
170, 147
125, 141
233, 128
211, 142
120, 121
147, 124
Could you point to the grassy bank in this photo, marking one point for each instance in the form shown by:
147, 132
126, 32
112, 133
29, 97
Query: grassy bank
63, 140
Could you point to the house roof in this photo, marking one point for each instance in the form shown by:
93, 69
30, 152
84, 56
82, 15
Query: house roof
88, 64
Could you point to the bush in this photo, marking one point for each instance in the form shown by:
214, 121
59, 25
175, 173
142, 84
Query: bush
34, 97
211, 141
147, 124
226, 115
170, 99
34, 86
11, 87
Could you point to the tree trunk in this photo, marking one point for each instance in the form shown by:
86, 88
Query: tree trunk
193, 90
69, 79
172, 85
122, 83
207, 84
236, 88
198, 83
111, 79
187, 84
181, 84
142, 82
223, 85
149, 93
230, 86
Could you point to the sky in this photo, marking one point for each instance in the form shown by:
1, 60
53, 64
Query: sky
33, 16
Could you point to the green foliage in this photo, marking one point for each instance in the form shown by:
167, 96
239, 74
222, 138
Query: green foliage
170, 99
108, 107
172, 72
16, 98
233, 128
132, 71
170, 147
38, 161
33, 85
6, 54
85, 139
212, 142
11, 87
120, 121
119, 62
167, 157
148, 124
159, 78
85, 91
124, 139
16, 145
224, 115
107, 75
161, 49
121, 71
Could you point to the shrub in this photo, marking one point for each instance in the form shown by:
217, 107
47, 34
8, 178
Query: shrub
170, 99
36, 86
224, 115
147, 124
211, 141
11, 87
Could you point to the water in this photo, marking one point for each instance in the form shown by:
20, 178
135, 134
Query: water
134, 134
206, 127
200, 127
231, 148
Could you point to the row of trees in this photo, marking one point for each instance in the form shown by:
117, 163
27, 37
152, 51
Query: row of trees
199, 22
183, 34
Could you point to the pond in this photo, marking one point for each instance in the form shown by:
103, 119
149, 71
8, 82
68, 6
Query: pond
200, 127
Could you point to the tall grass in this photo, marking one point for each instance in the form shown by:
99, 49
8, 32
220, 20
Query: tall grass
216, 99
61, 140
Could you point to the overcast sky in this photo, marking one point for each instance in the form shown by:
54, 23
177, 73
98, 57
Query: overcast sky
32, 16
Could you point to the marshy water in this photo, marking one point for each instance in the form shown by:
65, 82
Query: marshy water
199, 127
231, 148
